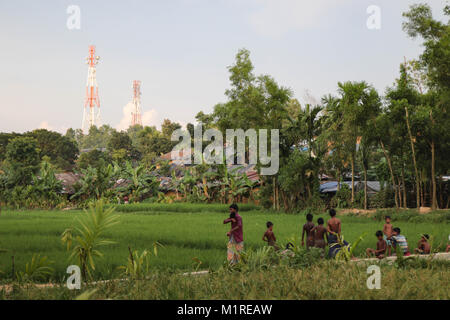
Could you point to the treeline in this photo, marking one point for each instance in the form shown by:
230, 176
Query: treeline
399, 137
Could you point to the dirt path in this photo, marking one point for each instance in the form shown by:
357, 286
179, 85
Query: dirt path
390, 260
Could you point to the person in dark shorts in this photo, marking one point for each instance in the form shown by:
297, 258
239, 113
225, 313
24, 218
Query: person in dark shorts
333, 227
307, 229
320, 234
380, 251
269, 236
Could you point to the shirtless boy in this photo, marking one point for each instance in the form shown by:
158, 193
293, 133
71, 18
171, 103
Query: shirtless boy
320, 234
333, 227
423, 247
387, 231
380, 251
307, 228
269, 236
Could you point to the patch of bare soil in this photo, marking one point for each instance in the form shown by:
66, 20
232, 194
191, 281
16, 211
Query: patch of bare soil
358, 212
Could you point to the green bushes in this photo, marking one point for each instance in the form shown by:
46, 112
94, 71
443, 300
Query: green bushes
43, 191
343, 197
383, 199
413, 216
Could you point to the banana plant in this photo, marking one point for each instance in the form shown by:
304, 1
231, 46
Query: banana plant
346, 251
237, 184
94, 182
175, 184
141, 181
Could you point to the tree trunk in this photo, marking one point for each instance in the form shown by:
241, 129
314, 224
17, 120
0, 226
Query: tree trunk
365, 188
405, 202
339, 179
285, 202
388, 159
276, 197
353, 178
414, 159
434, 204
422, 188
400, 200
274, 193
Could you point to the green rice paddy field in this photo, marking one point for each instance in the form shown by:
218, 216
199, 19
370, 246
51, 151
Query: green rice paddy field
189, 233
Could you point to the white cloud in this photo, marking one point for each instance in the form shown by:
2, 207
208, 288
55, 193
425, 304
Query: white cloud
276, 17
149, 118
47, 126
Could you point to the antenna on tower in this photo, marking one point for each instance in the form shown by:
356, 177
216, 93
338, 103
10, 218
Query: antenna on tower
91, 117
136, 114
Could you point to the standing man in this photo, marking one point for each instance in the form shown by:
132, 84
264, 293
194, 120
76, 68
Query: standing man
235, 235
333, 227
334, 231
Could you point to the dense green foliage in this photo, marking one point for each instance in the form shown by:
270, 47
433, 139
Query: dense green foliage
399, 138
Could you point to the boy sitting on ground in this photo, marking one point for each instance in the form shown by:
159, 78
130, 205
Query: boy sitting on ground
399, 241
269, 236
423, 247
380, 251
387, 231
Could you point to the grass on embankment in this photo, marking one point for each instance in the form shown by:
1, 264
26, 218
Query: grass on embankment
327, 280
187, 232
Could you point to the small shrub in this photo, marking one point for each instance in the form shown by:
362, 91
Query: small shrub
343, 197
37, 269
383, 199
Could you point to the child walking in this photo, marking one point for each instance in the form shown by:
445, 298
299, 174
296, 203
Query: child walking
307, 228
269, 236
320, 234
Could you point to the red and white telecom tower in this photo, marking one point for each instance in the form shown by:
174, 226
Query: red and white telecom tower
136, 114
91, 116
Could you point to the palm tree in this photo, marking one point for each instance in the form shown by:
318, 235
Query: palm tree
89, 236
358, 103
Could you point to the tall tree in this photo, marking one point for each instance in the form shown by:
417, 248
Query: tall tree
22, 158
61, 150
357, 106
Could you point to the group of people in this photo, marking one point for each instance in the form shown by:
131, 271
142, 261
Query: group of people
391, 237
319, 236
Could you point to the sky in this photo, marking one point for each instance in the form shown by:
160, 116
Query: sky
180, 51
